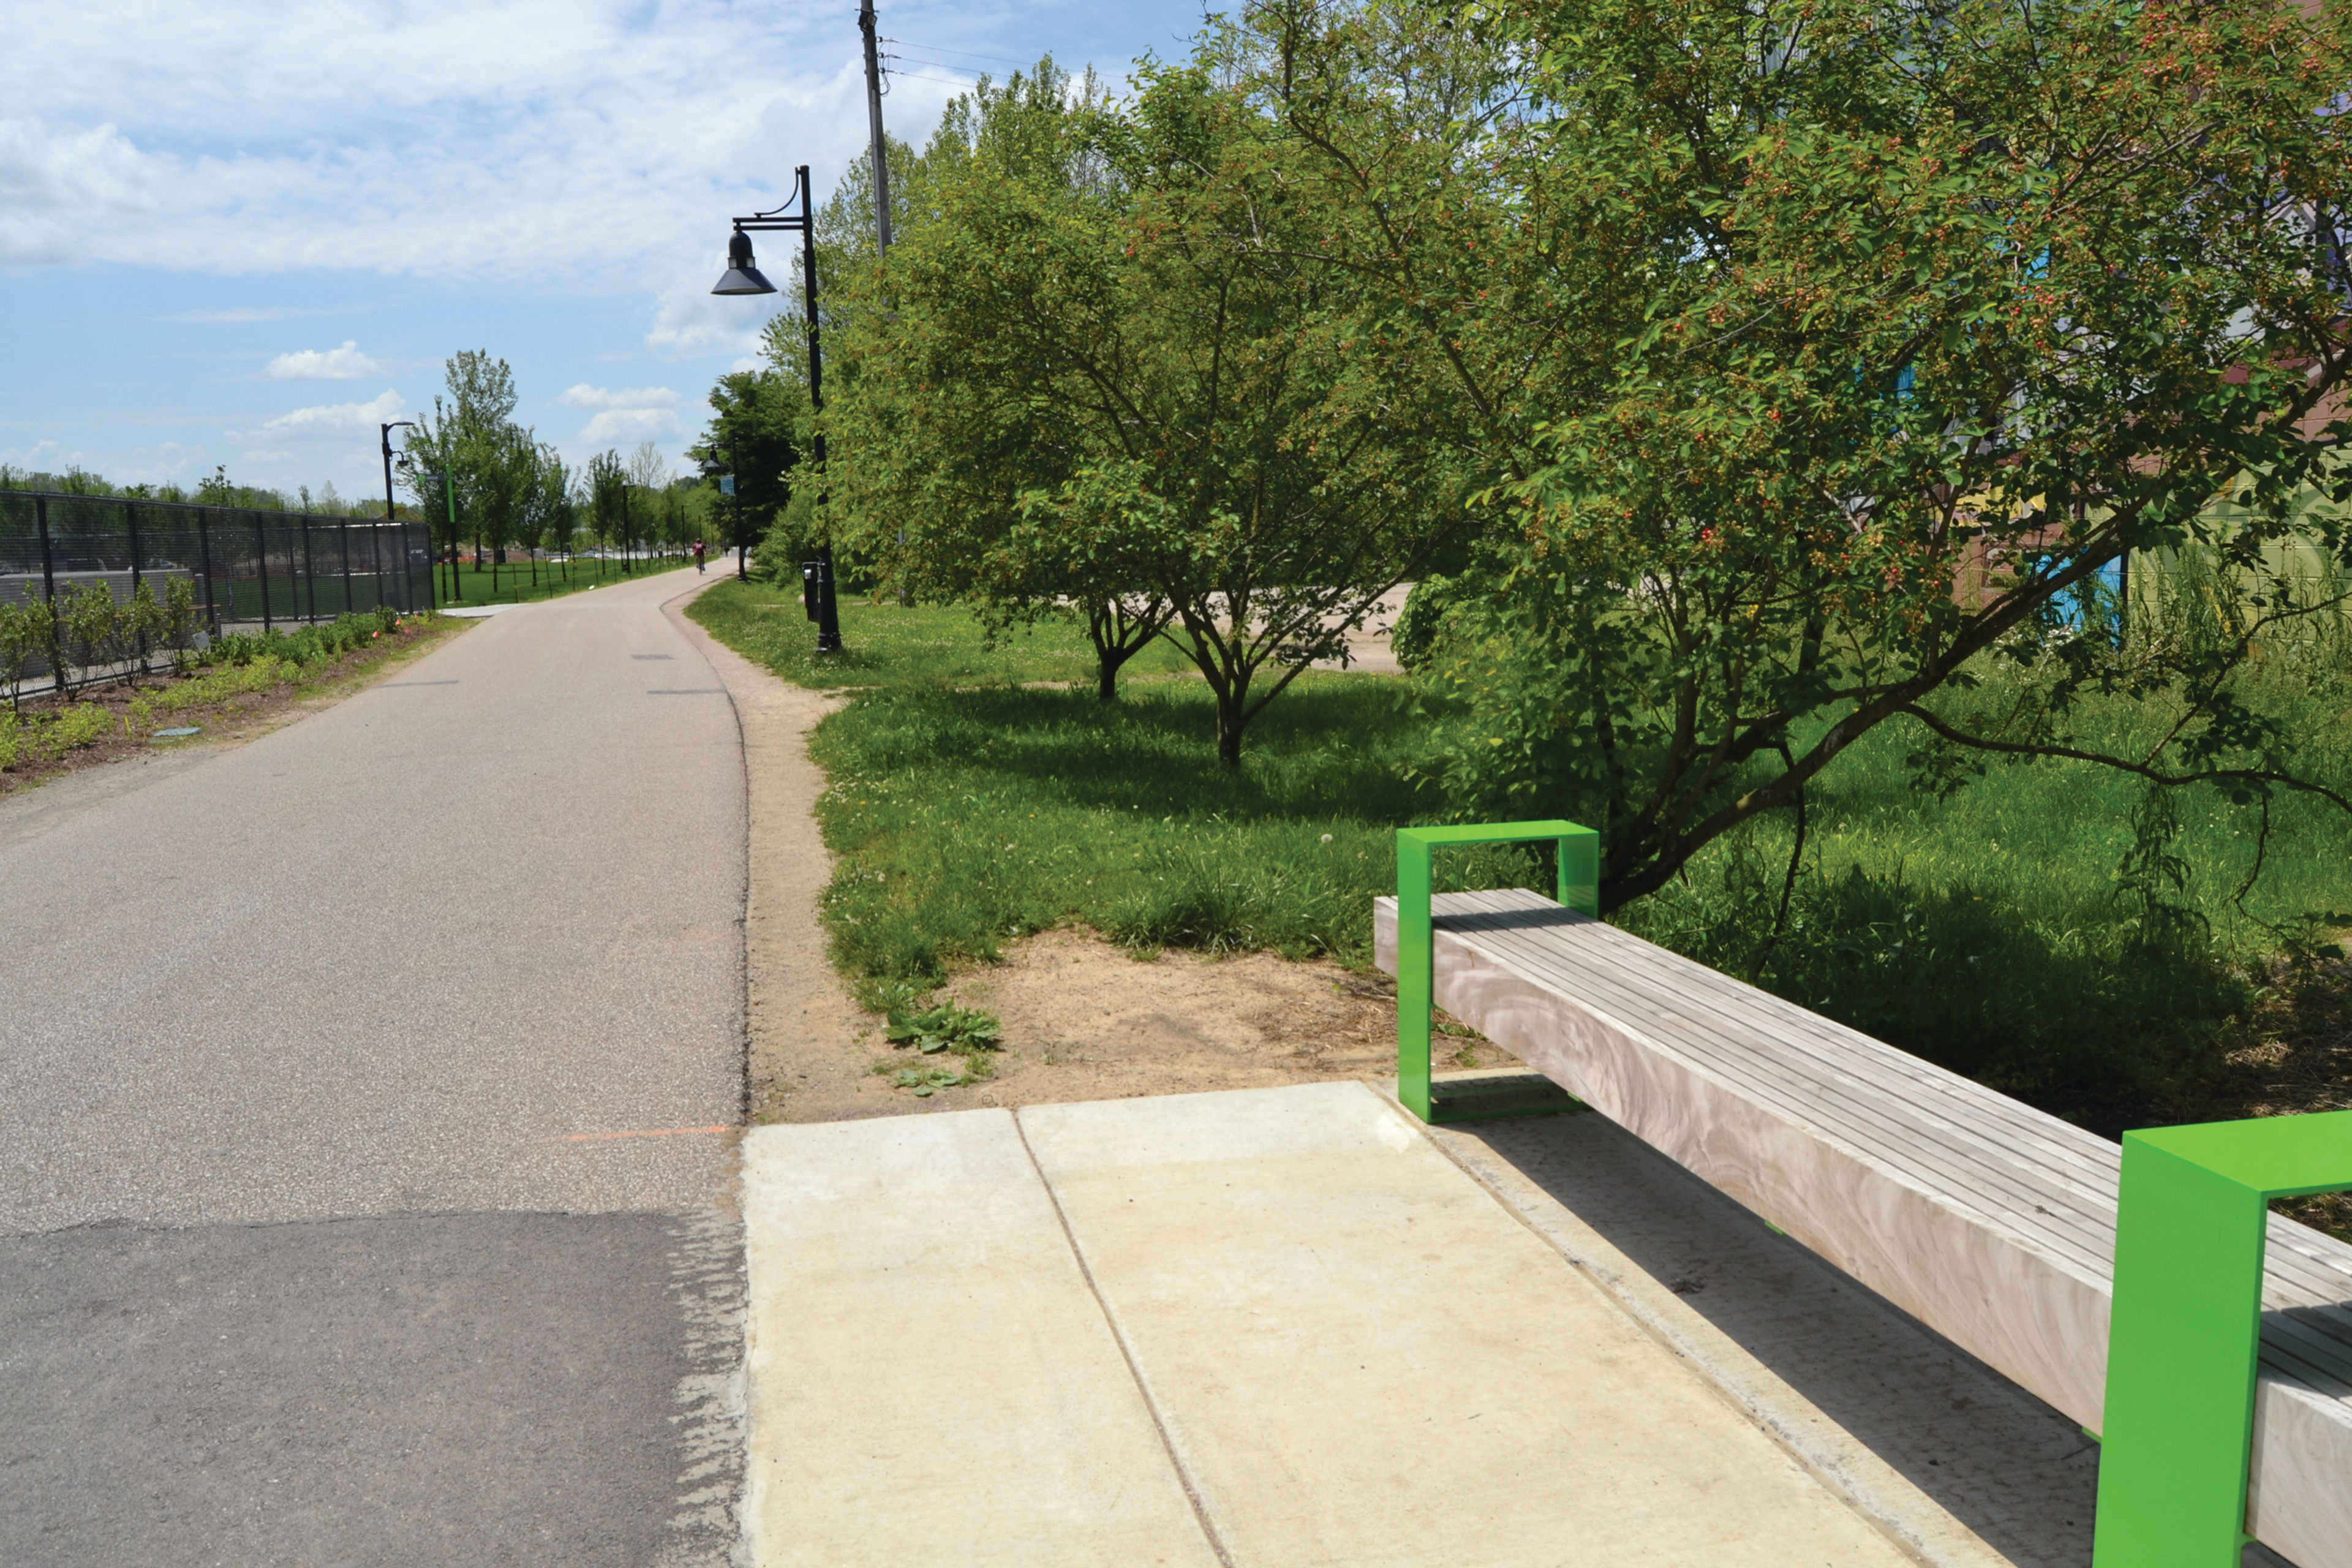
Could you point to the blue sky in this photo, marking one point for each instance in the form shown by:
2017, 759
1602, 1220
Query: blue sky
243, 233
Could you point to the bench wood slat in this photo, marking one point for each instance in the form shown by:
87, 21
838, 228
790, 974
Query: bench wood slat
2027, 1133
1990, 1221
2302, 1275
1791, 1089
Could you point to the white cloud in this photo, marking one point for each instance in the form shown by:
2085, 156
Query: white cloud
345, 363
688, 317
586, 396
581, 144
628, 426
328, 417
58, 190
626, 415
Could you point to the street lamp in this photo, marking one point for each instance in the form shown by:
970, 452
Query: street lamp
390, 513
730, 485
744, 277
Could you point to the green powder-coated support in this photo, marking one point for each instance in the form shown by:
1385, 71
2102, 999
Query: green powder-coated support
2185, 1329
1579, 889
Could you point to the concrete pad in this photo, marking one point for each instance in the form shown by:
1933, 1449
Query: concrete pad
931, 1380
1361, 1358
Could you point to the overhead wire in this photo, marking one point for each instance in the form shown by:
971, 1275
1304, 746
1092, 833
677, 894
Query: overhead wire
966, 53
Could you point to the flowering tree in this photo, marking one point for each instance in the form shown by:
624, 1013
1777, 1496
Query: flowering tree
1810, 353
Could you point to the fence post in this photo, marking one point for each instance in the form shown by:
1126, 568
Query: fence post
49, 568
261, 567
131, 521
310, 571
52, 644
344, 538
204, 555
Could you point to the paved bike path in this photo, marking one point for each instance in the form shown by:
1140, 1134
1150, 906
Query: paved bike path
369, 1096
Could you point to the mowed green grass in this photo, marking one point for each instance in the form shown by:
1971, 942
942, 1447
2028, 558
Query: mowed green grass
885, 646
513, 585
1986, 931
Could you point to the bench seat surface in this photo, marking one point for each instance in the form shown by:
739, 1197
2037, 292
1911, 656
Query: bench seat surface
1990, 1221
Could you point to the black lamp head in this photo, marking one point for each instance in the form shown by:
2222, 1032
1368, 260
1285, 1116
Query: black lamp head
743, 274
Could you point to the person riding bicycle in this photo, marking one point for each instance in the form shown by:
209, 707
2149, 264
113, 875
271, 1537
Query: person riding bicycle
697, 555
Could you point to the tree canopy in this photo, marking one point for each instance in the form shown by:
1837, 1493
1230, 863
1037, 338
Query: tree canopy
1105, 366
1815, 352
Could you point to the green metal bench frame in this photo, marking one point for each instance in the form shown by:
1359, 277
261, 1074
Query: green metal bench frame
1579, 889
2186, 1329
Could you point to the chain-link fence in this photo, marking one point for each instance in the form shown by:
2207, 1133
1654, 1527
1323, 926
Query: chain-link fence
248, 567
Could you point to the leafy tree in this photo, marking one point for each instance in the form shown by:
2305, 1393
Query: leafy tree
608, 491
756, 416
471, 435
555, 514
1809, 356
1098, 366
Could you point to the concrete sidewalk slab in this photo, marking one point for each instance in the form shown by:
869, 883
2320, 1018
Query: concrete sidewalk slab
930, 1379
990, 1337
1362, 1359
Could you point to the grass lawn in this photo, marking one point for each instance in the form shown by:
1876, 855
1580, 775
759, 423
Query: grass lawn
884, 645
513, 583
1987, 933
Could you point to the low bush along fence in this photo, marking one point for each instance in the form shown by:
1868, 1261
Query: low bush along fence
122, 640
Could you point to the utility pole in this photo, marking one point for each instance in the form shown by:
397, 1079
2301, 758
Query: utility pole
866, 22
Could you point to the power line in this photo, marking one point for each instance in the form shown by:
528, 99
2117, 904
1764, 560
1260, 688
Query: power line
942, 80
966, 54
941, 64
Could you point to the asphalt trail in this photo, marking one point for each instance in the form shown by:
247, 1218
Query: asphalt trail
368, 1102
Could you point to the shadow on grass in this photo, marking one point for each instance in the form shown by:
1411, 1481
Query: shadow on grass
2081, 1011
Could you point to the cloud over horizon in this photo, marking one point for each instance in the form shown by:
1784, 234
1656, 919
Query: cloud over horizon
345, 363
331, 416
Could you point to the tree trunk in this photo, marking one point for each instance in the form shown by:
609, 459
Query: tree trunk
1232, 712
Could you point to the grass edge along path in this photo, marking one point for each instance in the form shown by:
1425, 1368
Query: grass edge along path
1990, 934
514, 585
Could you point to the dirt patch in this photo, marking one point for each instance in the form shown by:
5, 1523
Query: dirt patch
132, 713
1083, 1019
2300, 1061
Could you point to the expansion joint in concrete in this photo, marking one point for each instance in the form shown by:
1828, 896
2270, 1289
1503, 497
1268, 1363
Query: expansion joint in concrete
1127, 1354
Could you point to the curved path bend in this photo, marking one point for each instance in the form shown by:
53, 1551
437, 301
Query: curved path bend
369, 1104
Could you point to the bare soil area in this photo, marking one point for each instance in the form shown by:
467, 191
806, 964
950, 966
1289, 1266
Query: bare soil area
2300, 1062
1086, 1019
1082, 1018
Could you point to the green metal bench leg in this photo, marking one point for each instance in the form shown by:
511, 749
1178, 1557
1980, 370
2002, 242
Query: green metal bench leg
2186, 1329
1579, 889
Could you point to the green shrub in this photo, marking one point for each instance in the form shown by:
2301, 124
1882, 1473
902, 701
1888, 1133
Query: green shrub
93, 624
200, 691
26, 630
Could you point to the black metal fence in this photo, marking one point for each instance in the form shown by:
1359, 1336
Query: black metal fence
248, 567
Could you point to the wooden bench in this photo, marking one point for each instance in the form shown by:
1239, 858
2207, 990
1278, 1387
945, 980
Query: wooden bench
1987, 1220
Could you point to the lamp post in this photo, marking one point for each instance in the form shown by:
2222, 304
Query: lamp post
744, 277
730, 484
390, 513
